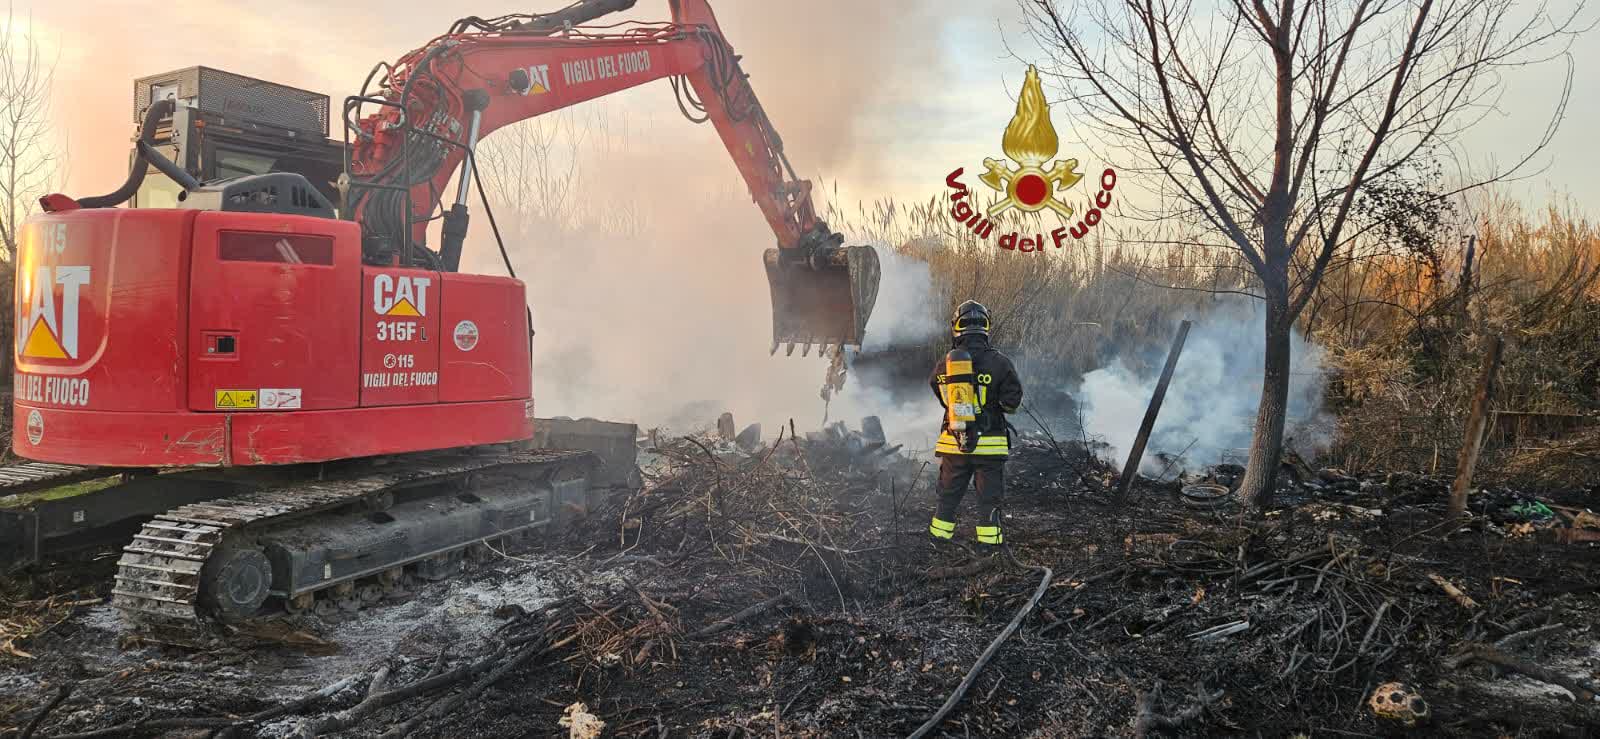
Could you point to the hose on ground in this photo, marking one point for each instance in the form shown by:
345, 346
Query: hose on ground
994, 646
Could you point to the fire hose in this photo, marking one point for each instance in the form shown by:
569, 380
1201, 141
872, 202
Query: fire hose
994, 646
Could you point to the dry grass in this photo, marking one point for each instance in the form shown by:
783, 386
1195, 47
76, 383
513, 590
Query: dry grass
1067, 311
1402, 335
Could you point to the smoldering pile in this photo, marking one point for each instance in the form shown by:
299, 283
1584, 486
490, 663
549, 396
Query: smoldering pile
786, 585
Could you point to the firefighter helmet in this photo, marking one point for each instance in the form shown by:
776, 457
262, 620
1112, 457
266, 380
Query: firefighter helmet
970, 318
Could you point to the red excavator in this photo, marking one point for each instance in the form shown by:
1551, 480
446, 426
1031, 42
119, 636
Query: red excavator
265, 370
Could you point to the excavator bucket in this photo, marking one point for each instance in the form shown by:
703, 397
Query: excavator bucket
825, 300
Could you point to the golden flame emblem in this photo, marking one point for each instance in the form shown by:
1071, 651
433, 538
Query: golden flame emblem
1030, 141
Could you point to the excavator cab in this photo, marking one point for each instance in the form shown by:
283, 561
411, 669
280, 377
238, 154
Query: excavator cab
229, 125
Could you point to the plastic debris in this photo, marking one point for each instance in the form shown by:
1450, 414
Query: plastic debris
581, 724
1532, 510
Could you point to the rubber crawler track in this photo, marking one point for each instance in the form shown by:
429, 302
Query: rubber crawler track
158, 578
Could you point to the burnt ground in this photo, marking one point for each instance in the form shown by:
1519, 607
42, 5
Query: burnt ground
1159, 617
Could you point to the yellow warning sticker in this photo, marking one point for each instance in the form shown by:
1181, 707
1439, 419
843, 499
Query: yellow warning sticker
236, 398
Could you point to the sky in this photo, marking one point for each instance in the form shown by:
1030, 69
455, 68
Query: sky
877, 98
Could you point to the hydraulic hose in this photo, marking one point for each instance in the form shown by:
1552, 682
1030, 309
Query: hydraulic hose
152, 118
147, 155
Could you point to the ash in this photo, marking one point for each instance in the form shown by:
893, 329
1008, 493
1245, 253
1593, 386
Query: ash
786, 585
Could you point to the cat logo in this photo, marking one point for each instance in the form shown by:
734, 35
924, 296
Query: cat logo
400, 296
539, 80
43, 332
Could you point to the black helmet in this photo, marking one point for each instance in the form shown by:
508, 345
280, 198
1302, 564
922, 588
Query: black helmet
970, 318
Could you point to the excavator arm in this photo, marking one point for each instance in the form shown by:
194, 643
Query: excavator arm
435, 104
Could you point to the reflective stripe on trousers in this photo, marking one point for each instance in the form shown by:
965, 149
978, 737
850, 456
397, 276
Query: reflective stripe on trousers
989, 535
942, 529
989, 445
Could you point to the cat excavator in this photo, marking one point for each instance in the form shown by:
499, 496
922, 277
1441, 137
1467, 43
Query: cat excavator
264, 382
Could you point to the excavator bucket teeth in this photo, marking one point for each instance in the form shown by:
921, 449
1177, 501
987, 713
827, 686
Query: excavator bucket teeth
827, 303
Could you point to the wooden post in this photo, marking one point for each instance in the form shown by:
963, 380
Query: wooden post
1476, 425
1464, 290
1131, 469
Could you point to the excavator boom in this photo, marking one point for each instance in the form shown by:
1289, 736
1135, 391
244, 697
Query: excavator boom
437, 102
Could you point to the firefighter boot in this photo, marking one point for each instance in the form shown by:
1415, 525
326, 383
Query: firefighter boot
989, 538
941, 538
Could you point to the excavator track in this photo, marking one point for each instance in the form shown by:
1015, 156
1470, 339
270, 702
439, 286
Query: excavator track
29, 476
345, 540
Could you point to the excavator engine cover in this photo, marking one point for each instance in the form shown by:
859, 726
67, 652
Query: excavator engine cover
826, 301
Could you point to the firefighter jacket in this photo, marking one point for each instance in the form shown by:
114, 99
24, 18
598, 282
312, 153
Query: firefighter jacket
999, 392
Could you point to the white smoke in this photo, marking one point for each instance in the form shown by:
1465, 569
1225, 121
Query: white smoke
907, 311
655, 310
1209, 410
906, 314
912, 423
663, 318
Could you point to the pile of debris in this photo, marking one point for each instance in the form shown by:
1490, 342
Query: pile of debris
836, 451
786, 586
1042, 465
1329, 492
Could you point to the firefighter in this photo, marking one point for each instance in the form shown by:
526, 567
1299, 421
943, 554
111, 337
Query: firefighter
977, 386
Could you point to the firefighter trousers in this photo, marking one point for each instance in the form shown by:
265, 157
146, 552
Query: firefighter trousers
988, 476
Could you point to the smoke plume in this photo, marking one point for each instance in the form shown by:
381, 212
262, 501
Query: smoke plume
1210, 406
908, 310
655, 309
834, 102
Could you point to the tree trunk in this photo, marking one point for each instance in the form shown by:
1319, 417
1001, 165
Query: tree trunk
8, 324
1266, 447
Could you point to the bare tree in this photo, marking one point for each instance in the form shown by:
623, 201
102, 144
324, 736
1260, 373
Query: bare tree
1257, 127
531, 168
534, 171
31, 157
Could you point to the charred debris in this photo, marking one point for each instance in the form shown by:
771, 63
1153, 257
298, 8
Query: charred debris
759, 584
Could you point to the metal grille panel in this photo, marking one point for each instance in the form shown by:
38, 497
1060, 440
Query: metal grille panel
228, 94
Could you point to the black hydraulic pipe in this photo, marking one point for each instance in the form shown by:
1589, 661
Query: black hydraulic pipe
578, 14
152, 119
454, 232
160, 161
453, 236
